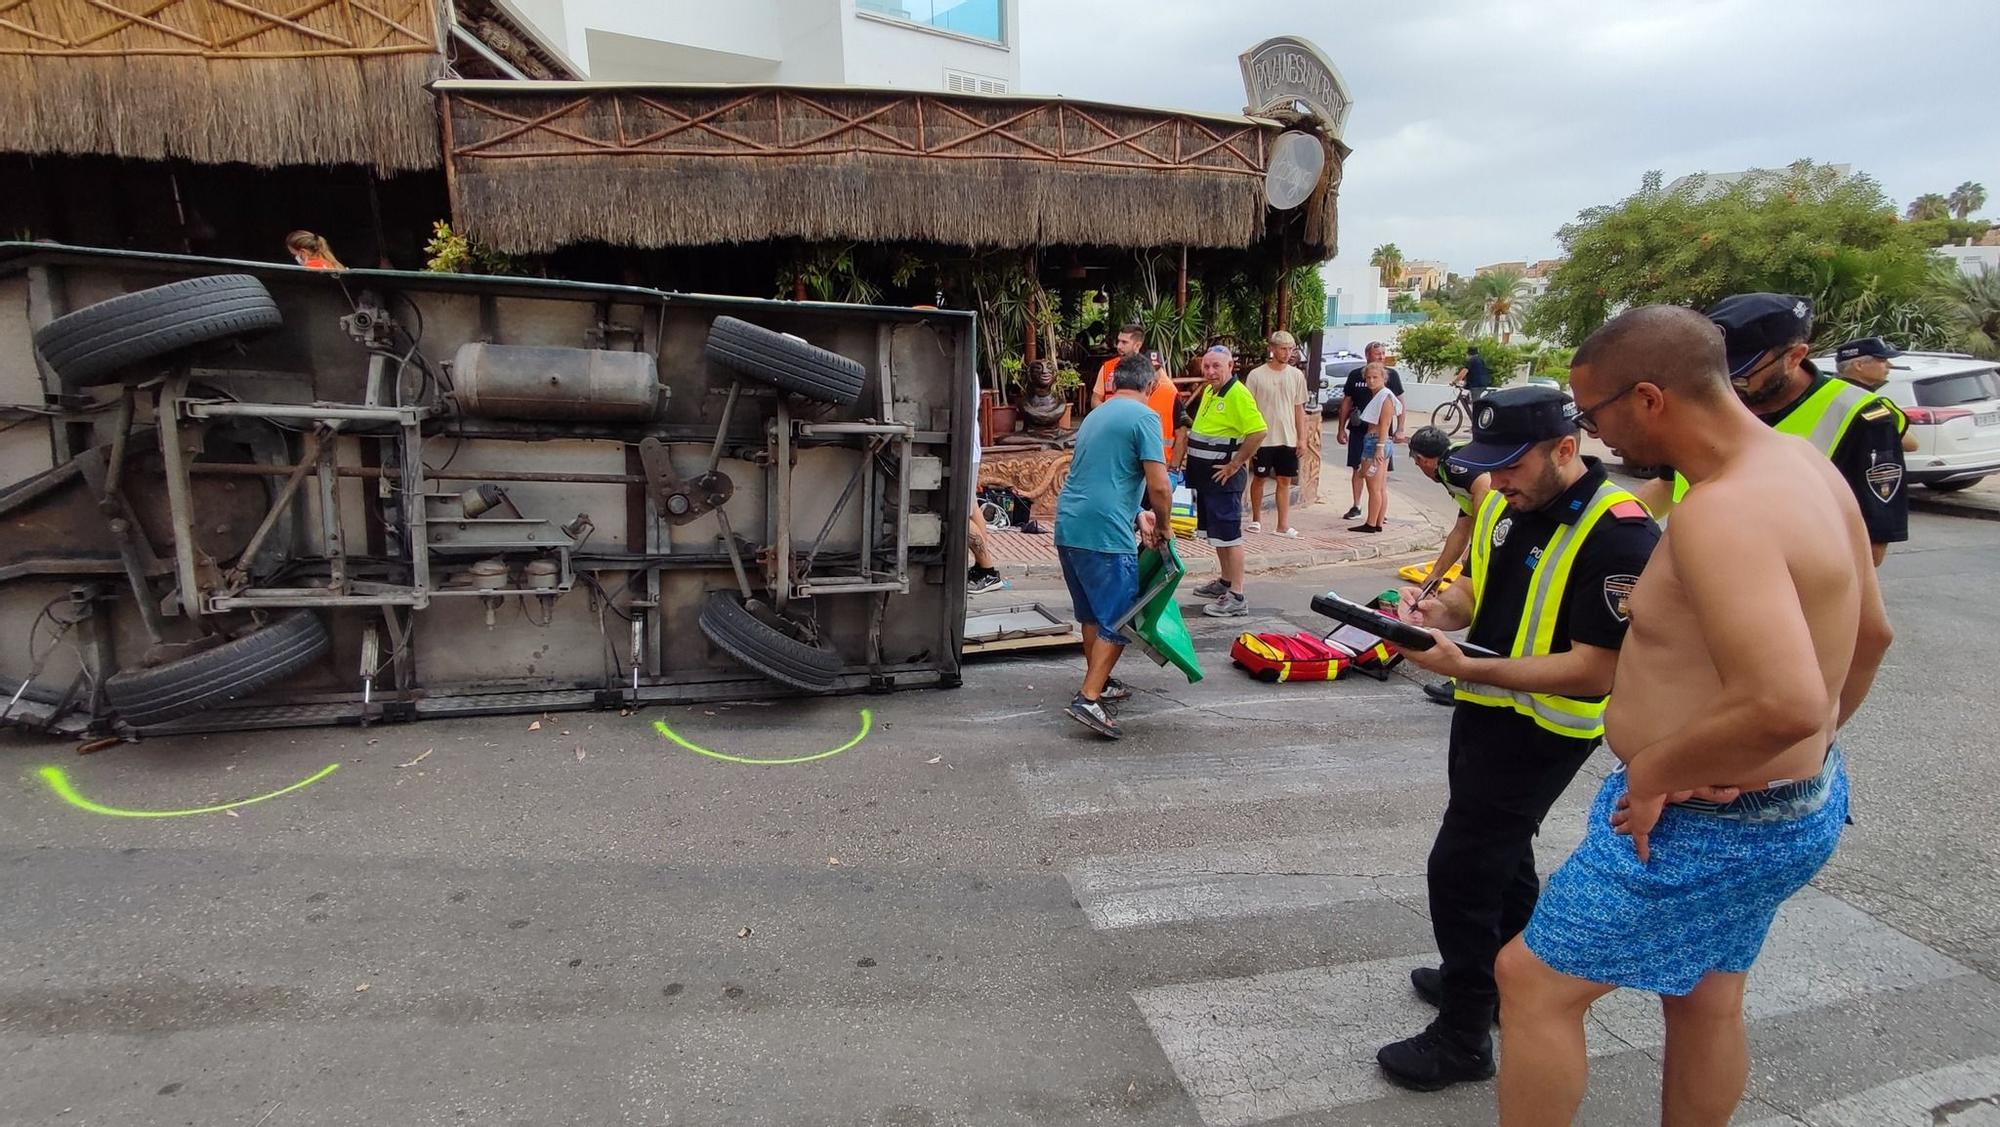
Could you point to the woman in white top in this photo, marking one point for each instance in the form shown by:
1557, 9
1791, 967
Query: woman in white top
1381, 415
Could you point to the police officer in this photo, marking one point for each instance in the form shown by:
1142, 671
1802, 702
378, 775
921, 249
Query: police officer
1865, 364
1429, 449
1765, 335
1556, 549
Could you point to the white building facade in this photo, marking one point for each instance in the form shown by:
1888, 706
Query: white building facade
949, 45
1971, 259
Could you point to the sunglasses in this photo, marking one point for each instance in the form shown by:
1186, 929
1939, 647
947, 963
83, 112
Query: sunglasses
1586, 420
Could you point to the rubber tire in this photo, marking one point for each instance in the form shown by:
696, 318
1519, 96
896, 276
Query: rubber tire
784, 363
144, 698
763, 648
1953, 486
1448, 417
97, 343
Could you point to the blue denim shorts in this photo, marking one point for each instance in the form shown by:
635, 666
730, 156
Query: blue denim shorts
1371, 446
1102, 587
1218, 505
1718, 874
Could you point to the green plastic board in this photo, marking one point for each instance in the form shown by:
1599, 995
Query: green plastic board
1155, 625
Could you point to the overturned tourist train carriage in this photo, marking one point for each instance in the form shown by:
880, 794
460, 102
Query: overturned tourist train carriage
242, 495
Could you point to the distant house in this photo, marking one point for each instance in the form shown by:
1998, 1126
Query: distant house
1534, 275
1422, 276
1703, 185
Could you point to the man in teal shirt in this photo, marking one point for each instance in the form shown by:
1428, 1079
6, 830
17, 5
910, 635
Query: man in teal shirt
1119, 461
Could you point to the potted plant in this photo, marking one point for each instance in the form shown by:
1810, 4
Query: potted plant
1003, 414
1069, 385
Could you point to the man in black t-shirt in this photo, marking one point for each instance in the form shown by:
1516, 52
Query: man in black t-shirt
1350, 430
1474, 377
1557, 545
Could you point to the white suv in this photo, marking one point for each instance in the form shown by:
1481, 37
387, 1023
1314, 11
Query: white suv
1953, 403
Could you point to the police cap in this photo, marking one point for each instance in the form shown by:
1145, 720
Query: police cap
1507, 423
1867, 346
1755, 323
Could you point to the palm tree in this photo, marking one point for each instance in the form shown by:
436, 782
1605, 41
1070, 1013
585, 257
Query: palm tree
1930, 205
1974, 304
1496, 302
1966, 199
1389, 259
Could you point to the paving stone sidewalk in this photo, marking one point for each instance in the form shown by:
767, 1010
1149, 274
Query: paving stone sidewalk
1323, 539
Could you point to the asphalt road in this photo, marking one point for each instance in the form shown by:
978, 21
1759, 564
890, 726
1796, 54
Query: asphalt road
977, 914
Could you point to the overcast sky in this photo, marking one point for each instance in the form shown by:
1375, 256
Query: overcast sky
1480, 128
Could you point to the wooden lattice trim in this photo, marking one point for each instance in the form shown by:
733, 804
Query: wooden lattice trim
218, 29
629, 123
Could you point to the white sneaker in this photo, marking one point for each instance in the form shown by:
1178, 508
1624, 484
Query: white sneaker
1254, 526
1227, 605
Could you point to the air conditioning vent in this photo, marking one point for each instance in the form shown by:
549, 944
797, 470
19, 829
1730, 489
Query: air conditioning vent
963, 82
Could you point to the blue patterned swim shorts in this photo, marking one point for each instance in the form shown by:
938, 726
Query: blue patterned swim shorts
1705, 903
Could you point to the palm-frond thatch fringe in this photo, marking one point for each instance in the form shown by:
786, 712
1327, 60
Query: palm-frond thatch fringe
536, 166
339, 81
259, 111
536, 206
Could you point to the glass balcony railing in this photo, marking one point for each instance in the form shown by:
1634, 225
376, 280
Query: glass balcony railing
1335, 317
978, 19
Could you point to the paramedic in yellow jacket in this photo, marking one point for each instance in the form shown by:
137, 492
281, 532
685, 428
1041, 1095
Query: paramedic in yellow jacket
1556, 548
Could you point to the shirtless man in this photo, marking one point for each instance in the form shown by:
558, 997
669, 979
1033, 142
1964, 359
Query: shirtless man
1756, 630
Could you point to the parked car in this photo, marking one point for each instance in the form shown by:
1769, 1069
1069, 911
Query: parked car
1332, 380
1953, 403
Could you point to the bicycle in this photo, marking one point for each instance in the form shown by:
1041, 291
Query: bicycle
1455, 414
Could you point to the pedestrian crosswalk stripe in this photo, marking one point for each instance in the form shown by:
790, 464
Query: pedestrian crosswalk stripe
1257, 1048
1963, 1095
1112, 784
1274, 876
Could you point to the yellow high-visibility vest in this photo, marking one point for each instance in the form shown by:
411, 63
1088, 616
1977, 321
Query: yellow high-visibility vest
1823, 420
1565, 716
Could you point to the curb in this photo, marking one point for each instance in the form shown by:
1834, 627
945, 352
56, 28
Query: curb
1953, 508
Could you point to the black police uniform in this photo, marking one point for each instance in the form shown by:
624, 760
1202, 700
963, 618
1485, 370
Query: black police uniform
1870, 453
1505, 770
1870, 457
1457, 481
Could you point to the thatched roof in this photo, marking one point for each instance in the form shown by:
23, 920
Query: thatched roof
334, 81
536, 166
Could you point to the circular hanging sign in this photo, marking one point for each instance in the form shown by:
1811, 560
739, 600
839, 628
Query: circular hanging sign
1297, 159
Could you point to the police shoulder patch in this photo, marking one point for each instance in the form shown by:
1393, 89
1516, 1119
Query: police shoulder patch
1885, 479
1618, 595
1878, 411
1630, 510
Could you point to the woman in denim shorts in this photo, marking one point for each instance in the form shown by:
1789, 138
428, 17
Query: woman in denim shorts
1381, 414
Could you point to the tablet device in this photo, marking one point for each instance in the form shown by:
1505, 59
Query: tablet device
1378, 625
1374, 622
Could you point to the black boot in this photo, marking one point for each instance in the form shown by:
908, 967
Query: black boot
1445, 693
1429, 985
1436, 1059
1428, 982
